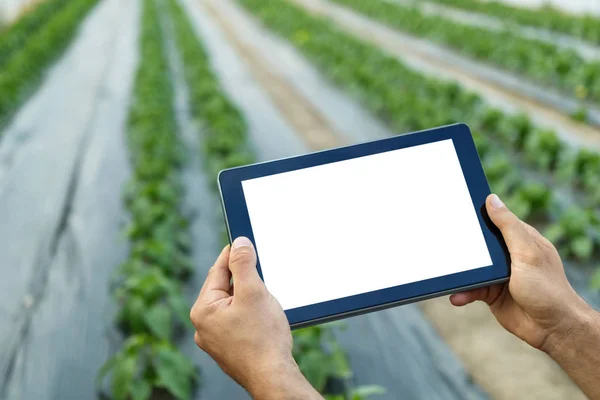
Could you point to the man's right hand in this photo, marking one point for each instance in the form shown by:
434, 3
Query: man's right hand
538, 304
245, 330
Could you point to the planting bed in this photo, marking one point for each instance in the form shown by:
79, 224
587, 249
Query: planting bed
429, 59
587, 50
319, 37
224, 145
148, 286
117, 248
412, 96
586, 27
28, 47
60, 179
536, 60
374, 361
426, 55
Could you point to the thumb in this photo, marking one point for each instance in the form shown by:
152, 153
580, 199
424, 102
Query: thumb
242, 264
512, 228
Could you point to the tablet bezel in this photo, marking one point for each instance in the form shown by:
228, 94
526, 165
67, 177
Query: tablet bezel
238, 223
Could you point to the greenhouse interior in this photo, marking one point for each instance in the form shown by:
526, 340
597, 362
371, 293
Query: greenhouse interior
116, 117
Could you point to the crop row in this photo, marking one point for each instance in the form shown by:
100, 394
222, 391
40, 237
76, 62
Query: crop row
25, 54
225, 144
148, 286
409, 101
13, 37
542, 149
537, 60
586, 27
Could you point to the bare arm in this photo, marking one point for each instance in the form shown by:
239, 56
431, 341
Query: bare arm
285, 382
245, 330
577, 351
539, 305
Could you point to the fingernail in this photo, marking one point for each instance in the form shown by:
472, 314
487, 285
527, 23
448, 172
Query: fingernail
241, 242
496, 202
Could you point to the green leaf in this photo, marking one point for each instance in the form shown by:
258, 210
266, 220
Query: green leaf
122, 376
554, 233
364, 392
180, 307
582, 247
105, 369
175, 372
315, 366
158, 318
340, 367
520, 207
140, 390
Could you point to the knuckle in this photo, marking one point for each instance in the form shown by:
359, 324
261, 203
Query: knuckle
194, 317
547, 247
539, 251
197, 316
198, 340
532, 256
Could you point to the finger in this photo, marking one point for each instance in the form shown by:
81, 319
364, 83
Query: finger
464, 298
242, 263
515, 235
487, 294
218, 278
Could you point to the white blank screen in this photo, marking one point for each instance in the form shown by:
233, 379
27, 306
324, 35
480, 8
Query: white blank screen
364, 224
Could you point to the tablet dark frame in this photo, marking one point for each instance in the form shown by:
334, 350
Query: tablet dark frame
238, 223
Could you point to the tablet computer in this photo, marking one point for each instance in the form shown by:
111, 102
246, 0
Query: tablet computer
369, 226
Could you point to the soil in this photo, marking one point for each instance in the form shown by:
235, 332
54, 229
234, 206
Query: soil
301, 114
505, 366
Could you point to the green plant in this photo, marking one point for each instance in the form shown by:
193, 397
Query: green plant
322, 361
582, 169
575, 233
149, 302
531, 199
146, 363
543, 149
581, 114
408, 100
224, 141
404, 98
586, 27
148, 286
225, 144
319, 356
359, 393
537, 60
16, 35
23, 58
514, 130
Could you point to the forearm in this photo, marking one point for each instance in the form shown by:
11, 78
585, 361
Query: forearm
578, 351
284, 382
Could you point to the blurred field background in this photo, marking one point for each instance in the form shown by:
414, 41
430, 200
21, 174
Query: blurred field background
116, 115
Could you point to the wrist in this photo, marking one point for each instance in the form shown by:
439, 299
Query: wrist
281, 380
582, 324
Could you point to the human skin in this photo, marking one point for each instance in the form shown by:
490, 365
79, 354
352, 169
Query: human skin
244, 329
538, 305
